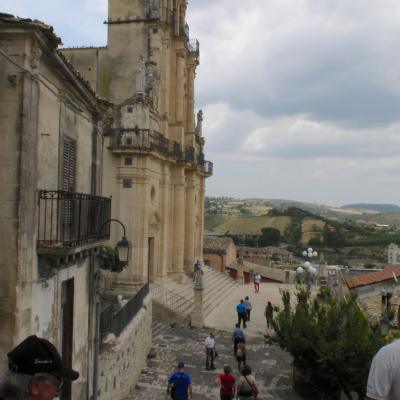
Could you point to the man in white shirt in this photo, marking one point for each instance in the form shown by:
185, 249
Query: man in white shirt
210, 351
384, 374
257, 280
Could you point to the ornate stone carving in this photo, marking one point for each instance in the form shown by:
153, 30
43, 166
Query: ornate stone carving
140, 83
199, 126
36, 54
152, 83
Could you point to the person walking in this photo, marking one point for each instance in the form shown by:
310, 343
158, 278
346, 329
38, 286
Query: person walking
35, 372
247, 302
226, 382
246, 388
241, 354
179, 385
269, 314
237, 337
241, 312
257, 280
210, 351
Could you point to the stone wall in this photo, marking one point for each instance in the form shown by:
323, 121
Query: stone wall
120, 366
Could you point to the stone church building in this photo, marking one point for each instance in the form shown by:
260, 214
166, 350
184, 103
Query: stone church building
155, 168
89, 135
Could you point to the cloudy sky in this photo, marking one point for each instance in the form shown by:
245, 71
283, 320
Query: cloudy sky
300, 97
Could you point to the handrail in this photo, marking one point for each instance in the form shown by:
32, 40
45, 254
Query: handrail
172, 300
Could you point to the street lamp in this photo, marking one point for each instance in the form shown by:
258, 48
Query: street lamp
308, 272
124, 246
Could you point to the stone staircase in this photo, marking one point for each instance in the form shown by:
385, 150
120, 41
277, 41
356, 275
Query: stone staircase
179, 297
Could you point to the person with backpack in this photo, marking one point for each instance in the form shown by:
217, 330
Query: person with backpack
226, 381
237, 337
246, 388
180, 384
241, 354
247, 303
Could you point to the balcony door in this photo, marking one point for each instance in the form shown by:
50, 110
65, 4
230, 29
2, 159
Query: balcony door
67, 330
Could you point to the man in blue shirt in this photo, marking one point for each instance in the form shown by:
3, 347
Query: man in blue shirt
180, 384
241, 312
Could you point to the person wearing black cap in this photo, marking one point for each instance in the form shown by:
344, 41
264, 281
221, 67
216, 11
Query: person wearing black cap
35, 371
180, 384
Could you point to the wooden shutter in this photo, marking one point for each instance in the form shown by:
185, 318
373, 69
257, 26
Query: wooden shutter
69, 165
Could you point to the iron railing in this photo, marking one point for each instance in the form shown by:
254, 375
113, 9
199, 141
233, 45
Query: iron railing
207, 167
193, 46
176, 151
171, 300
116, 322
68, 219
149, 141
190, 154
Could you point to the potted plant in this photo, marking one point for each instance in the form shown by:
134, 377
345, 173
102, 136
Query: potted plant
109, 260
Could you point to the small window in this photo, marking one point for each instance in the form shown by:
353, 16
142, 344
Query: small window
128, 160
127, 183
129, 141
152, 194
129, 110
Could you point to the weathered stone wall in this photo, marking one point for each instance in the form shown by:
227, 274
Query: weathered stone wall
120, 366
35, 114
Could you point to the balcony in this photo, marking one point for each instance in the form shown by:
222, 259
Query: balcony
139, 140
69, 220
146, 141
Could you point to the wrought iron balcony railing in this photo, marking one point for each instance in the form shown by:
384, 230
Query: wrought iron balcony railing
148, 141
207, 167
67, 219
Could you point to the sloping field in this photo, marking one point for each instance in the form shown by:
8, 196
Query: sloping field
311, 228
239, 224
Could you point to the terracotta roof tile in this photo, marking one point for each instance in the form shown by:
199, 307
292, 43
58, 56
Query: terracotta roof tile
373, 277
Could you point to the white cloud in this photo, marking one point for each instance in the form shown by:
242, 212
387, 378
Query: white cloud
300, 97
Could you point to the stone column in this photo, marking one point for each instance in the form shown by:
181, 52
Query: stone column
190, 214
178, 226
190, 120
180, 83
165, 237
200, 207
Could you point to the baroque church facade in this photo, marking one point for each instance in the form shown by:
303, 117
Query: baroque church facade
155, 168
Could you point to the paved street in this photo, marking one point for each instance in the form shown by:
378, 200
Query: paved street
271, 365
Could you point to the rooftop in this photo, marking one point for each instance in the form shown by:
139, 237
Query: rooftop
373, 277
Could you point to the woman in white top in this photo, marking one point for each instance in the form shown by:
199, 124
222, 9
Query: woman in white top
246, 387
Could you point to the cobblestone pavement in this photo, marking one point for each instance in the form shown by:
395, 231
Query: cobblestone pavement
271, 366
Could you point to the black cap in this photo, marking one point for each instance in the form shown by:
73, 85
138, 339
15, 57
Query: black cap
36, 355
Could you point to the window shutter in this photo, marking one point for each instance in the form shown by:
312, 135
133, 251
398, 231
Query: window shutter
69, 165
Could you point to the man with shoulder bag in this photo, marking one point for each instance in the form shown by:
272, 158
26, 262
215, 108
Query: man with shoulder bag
247, 388
180, 384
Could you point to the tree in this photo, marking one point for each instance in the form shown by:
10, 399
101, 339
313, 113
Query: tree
332, 344
270, 237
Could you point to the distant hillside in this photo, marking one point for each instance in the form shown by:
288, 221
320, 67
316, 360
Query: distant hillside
219, 209
380, 208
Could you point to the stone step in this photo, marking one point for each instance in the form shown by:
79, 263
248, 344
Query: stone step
217, 286
157, 328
